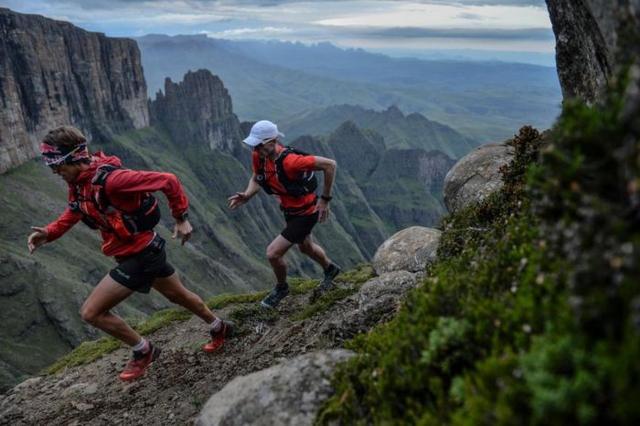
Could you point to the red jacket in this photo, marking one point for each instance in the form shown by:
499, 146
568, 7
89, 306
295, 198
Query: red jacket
125, 189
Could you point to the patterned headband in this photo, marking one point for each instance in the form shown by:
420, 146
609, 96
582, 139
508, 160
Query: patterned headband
54, 155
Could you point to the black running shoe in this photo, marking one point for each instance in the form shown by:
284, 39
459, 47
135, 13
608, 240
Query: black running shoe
276, 295
327, 282
329, 274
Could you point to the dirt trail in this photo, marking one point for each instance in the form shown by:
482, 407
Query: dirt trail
179, 383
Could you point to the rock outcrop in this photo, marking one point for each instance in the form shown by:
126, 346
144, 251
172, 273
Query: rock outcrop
289, 393
54, 73
593, 37
411, 249
198, 110
476, 175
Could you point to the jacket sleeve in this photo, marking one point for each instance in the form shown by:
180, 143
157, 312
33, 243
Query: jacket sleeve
131, 181
62, 224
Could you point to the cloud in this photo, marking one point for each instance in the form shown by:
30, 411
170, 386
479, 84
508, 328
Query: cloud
487, 34
250, 32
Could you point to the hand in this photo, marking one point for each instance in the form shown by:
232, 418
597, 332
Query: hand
323, 210
182, 229
37, 238
238, 199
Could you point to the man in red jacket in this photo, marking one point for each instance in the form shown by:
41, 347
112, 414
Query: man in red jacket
289, 175
118, 203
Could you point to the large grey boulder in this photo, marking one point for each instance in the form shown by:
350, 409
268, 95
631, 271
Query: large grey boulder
408, 250
476, 176
289, 393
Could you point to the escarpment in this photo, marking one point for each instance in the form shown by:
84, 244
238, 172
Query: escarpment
54, 73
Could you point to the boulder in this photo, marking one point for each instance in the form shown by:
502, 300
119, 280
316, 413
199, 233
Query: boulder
476, 176
408, 250
289, 393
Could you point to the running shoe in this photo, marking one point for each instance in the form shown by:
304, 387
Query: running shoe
218, 337
327, 282
139, 363
276, 295
330, 273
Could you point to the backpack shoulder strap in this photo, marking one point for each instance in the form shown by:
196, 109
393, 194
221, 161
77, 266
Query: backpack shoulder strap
99, 180
102, 173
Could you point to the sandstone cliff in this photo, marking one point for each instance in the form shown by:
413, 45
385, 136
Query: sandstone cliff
592, 38
53, 73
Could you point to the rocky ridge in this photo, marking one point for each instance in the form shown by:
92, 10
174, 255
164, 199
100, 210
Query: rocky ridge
89, 80
179, 383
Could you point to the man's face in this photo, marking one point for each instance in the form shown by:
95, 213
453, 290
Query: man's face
267, 149
68, 172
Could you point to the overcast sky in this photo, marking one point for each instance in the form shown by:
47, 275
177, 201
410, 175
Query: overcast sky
390, 26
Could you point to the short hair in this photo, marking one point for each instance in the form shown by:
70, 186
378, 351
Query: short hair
68, 136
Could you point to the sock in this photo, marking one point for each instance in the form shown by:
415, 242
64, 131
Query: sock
216, 325
142, 346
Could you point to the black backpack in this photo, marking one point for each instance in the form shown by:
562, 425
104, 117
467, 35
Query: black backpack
145, 218
307, 183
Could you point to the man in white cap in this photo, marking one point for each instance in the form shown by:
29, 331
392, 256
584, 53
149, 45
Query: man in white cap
289, 175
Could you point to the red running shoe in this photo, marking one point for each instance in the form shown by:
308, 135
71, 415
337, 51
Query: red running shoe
137, 366
218, 337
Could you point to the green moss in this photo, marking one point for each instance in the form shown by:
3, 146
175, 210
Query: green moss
358, 275
324, 302
85, 353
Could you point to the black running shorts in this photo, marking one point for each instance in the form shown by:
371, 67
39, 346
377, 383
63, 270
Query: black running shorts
138, 271
298, 227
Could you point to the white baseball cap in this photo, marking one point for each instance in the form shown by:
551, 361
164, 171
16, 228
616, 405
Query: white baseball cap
262, 131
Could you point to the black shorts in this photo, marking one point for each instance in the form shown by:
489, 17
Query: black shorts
138, 271
298, 227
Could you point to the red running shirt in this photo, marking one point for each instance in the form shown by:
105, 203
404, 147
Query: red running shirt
294, 165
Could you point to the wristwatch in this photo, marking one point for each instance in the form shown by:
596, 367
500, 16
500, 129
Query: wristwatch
183, 217
326, 198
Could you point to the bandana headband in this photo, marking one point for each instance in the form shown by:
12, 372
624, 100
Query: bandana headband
53, 155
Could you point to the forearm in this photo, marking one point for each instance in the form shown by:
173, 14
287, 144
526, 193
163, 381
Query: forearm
252, 188
329, 173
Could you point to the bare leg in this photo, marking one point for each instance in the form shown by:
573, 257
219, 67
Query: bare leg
96, 310
171, 287
275, 253
314, 251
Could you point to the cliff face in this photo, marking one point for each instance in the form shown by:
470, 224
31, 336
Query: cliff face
53, 73
198, 109
593, 37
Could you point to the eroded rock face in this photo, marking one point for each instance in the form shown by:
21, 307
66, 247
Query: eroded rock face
476, 176
593, 37
198, 110
289, 393
408, 250
54, 73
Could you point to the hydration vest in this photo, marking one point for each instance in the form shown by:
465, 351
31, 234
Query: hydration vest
304, 184
123, 224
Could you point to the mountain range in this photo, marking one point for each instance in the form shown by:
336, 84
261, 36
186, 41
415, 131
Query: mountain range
483, 100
